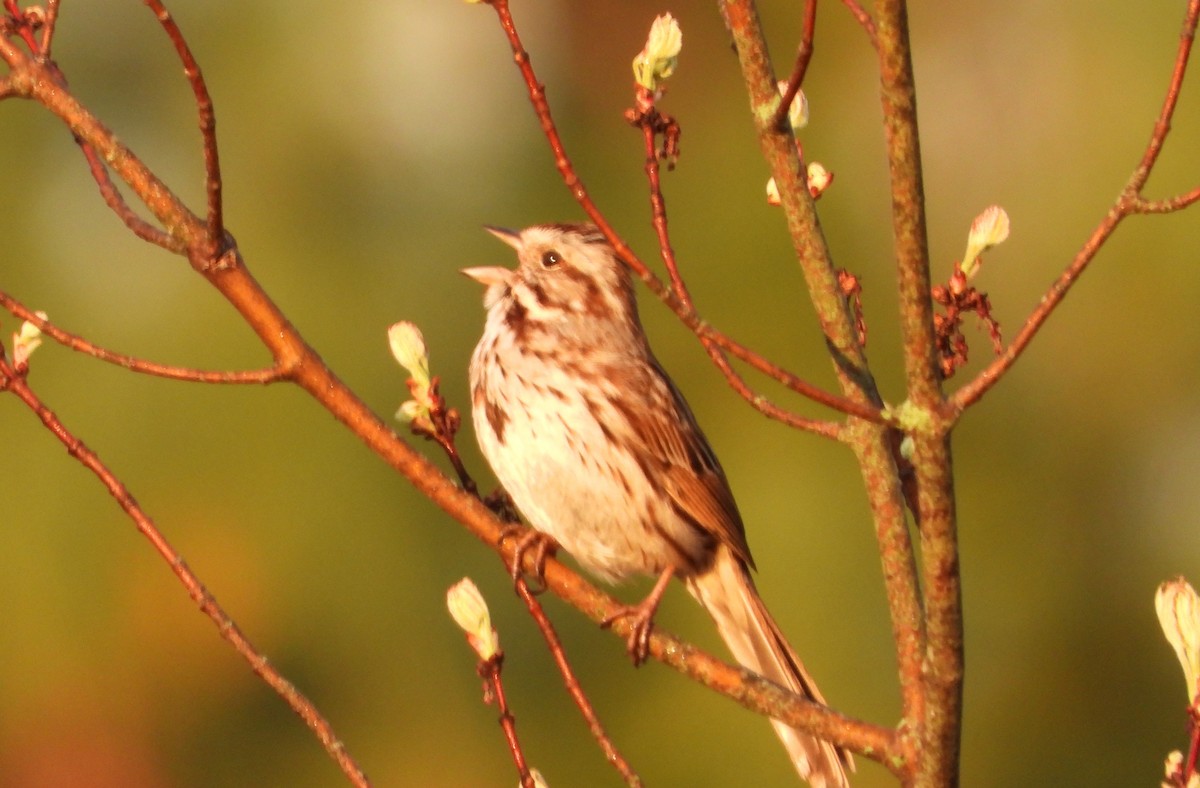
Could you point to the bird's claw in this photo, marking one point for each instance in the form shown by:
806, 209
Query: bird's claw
532, 541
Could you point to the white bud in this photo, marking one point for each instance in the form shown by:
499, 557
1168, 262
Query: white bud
1179, 615
26, 341
408, 346
1174, 764
988, 229
819, 179
798, 111
469, 610
772, 193
538, 780
658, 58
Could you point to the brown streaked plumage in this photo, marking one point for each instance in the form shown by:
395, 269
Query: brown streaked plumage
599, 450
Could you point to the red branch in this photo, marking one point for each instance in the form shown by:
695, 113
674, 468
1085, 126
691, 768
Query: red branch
493, 692
1130, 202
864, 20
658, 209
208, 126
133, 363
611, 753
803, 56
15, 383
116, 203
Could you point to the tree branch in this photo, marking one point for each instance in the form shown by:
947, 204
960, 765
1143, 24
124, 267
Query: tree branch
15, 383
133, 363
803, 56
208, 124
1129, 202
611, 753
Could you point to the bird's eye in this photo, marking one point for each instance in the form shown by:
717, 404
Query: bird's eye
551, 259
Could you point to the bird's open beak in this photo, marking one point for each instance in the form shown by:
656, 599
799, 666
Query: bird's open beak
509, 237
489, 275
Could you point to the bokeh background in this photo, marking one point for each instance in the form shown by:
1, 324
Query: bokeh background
363, 146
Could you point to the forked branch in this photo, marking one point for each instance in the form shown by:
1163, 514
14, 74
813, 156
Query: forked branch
1131, 201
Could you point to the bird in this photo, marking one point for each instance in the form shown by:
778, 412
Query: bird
598, 450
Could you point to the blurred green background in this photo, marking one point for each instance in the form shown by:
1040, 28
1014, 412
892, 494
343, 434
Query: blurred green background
363, 145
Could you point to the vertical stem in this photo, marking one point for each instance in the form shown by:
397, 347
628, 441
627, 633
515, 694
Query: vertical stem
940, 736
940, 728
779, 149
899, 96
871, 443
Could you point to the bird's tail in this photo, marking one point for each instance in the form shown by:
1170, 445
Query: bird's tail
727, 592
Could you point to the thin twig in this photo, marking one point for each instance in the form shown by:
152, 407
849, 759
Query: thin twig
49, 70
16, 383
133, 363
21, 24
48, 25
611, 753
208, 126
1166, 204
803, 56
490, 670
658, 209
116, 203
864, 20
1128, 203
41, 83
1162, 125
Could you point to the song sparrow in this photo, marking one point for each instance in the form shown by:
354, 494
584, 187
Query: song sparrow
599, 450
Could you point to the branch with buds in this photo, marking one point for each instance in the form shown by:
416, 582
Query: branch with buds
958, 297
427, 413
469, 610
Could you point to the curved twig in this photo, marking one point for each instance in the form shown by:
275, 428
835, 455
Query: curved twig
658, 210
133, 363
864, 20
116, 203
208, 125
